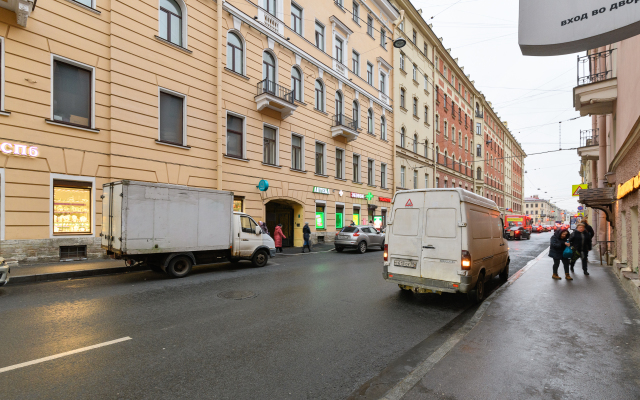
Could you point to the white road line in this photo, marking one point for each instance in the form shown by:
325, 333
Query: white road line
68, 353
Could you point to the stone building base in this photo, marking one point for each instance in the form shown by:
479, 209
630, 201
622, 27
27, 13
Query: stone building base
33, 251
322, 237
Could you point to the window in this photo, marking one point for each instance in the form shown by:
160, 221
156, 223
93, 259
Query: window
248, 225
370, 25
383, 176
356, 13
402, 137
415, 179
235, 56
170, 20
383, 38
383, 83
270, 146
459, 138
271, 7
319, 96
415, 37
269, 72
339, 105
426, 83
426, 181
355, 63
356, 168
401, 26
402, 61
415, 72
172, 118
319, 158
446, 158
479, 174
319, 36
415, 143
479, 129
453, 133
402, 173
437, 123
370, 74
73, 93
339, 216
426, 148
339, 3
339, 47
383, 128
437, 182
296, 18
339, 163
402, 96
415, 107
235, 136
296, 152
296, 83
371, 177
479, 150
370, 121
446, 129
426, 48
72, 207
426, 114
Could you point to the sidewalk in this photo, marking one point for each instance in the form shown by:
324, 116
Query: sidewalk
317, 248
546, 339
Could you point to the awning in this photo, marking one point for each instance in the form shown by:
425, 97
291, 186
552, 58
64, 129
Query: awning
600, 199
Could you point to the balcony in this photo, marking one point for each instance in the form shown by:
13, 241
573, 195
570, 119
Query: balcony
597, 87
344, 126
479, 114
22, 8
589, 145
275, 97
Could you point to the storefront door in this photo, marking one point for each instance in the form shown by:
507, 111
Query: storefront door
280, 213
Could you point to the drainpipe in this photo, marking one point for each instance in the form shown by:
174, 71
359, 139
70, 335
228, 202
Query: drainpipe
219, 119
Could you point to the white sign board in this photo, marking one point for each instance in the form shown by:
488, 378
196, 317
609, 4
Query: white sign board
555, 27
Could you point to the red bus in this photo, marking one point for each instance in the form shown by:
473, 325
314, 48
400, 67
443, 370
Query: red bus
525, 221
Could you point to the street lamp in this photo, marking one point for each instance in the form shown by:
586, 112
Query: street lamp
399, 43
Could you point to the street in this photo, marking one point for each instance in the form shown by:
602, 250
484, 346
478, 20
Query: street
317, 325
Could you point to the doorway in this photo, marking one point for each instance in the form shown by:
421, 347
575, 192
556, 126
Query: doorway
281, 212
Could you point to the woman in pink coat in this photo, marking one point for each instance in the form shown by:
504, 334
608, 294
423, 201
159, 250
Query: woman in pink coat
277, 237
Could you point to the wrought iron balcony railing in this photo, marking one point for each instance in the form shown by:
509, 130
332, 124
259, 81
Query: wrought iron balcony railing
589, 137
343, 120
479, 114
270, 87
595, 67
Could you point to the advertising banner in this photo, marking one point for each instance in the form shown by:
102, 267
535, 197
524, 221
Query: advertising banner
552, 27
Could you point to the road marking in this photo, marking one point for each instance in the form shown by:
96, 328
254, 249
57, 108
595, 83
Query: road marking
68, 353
405, 385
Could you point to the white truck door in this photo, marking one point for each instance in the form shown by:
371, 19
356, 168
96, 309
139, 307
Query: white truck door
498, 244
248, 238
442, 238
404, 235
106, 214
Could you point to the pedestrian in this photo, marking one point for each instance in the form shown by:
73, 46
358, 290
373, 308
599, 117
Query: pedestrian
580, 241
353, 223
277, 238
306, 234
588, 228
263, 226
559, 242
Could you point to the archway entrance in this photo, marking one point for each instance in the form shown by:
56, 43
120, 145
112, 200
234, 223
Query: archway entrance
282, 212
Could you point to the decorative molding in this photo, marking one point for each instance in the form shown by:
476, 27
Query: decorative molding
237, 22
298, 60
23, 11
270, 43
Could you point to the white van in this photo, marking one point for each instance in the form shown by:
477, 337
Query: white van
445, 240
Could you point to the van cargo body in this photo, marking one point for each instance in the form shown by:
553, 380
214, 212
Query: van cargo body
444, 240
173, 227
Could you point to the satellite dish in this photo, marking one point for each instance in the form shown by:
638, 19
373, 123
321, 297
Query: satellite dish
399, 43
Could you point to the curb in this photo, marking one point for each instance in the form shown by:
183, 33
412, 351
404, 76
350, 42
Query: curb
57, 276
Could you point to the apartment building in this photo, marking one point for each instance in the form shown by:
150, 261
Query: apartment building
287, 104
543, 211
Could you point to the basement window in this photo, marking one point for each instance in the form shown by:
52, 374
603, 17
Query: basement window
69, 253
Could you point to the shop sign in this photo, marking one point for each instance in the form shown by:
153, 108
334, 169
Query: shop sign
357, 195
321, 190
629, 186
377, 221
341, 193
384, 199
19, 149
263, 185
369, 196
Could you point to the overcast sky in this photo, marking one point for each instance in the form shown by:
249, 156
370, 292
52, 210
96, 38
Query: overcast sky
525, 91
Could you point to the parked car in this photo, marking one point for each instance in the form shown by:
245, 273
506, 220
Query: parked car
519, 233
445, 240
4, 272
537, 229
359, 237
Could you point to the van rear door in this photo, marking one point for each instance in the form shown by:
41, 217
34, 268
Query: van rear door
442, 237
405, 236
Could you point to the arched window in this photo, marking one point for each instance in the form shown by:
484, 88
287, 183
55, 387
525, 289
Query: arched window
437, 154
453, 133
383, 128
426, 114
319, 96
446, 129
296, 83
437, 123
356, 114
459, 164
446, 155
415, 72
269, 72
402, 135
402, 98
426, 148
479, 174
459, 138
171, 23
415, 143
339, 104
235, 53
370, 121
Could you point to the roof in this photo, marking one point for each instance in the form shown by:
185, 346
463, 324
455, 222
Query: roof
465, 195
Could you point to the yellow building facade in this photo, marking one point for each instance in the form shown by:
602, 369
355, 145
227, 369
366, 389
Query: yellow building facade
297, 94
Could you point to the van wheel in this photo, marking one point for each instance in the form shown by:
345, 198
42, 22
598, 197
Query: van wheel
504, 274
179, 267
477, 294
260, 259
362, 247
339, 249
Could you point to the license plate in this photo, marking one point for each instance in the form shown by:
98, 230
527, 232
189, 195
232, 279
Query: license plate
343, 237
405, 263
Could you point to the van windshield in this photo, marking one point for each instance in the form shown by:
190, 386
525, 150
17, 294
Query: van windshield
350, 229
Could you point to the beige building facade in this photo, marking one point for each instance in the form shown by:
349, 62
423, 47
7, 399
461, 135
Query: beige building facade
190, 93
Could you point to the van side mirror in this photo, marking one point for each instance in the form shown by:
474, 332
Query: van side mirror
258, 230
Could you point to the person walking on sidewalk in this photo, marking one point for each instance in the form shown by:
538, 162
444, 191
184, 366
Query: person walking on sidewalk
588, 227
580, 241
277, 237
306, 234
559, 242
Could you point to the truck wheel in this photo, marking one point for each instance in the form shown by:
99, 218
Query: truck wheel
504, 274
339, 249
362, 247
260, 259
477, 294
179, 267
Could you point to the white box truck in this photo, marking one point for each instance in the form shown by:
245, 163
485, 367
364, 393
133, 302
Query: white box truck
445, 240
173, 227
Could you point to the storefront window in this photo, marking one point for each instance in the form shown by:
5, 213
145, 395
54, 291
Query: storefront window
356, 216
71, 207
339, 217
377, 222
320, 217
238, 204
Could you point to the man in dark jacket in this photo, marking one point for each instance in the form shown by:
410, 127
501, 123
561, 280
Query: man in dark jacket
588, 228
556, 248
306, 234
580, 240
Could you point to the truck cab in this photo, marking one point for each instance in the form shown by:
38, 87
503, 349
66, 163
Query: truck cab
248, 238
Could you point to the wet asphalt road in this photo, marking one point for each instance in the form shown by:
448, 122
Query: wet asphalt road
320, 326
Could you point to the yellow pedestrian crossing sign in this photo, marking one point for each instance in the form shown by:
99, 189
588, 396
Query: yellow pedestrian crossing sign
576, 188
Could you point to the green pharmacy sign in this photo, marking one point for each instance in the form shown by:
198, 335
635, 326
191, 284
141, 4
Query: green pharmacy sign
319, 220
369, 196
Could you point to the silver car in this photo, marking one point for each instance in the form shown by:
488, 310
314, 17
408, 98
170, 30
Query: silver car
359, 237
